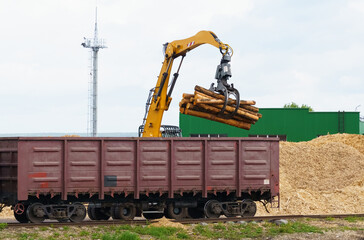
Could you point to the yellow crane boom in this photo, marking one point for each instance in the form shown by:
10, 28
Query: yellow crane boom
161, 100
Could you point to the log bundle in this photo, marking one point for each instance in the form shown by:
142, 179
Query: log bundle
208, 104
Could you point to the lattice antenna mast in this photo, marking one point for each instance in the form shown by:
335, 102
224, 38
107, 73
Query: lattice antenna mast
94, 44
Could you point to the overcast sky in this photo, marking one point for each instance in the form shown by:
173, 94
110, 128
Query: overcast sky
308, 52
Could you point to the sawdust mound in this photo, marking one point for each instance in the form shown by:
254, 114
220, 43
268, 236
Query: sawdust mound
322, 176
164, 222
6, 213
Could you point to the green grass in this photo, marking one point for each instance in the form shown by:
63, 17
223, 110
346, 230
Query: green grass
28, 236
43, 228
251, 230
96, 235
211, 231
354, 219
84, 233
162, 233
120, 236
219, 227
292, 227
346, 228
66, 228
183, 235
133, 232
3, 226
157, 232
205, 231
231, 231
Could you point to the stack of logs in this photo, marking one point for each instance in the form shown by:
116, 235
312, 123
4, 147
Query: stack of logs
207, 104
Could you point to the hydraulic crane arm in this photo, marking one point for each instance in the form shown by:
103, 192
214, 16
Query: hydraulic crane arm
181, 47
161, 100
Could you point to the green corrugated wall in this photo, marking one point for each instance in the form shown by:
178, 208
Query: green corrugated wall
296, 123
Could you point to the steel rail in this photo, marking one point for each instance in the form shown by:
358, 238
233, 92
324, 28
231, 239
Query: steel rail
183, 221
83, 223
265, 218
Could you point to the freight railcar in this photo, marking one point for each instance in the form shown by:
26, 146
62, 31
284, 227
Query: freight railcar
54, 177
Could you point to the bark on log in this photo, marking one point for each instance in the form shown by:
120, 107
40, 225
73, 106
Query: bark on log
219, 96
250, 108
244, 107
208, 101
213, 117
215, 110
241, 112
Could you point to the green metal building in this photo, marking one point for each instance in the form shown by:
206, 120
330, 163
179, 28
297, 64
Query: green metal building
291, 124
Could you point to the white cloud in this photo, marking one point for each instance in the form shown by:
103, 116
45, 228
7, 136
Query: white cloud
356, 5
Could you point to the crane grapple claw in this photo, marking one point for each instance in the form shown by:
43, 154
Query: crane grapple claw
223, 73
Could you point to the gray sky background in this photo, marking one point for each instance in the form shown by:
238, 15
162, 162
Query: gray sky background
309, 52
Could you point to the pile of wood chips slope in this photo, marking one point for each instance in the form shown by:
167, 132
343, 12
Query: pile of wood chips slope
6, 213
322, 176
207, 104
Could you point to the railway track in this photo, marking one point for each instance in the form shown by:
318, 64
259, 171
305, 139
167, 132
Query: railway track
265, 218
184, 221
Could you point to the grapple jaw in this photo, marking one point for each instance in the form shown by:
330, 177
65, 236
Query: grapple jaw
223, 73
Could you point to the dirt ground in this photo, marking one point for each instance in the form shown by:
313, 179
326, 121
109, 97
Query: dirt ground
345, 235
338, 232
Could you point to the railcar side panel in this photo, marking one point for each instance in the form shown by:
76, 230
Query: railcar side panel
136, 166
188, 165
40, 168
154, 159
120, 166
255, 168
221, 163
84, 167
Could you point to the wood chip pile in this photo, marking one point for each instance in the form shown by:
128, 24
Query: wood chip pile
322, 176
164, 222
6, 213
207, 104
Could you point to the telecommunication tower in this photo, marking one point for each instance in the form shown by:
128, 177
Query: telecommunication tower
94, 44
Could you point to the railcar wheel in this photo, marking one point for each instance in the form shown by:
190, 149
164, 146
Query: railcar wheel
79, 213
126, 211
195, 213
100, 214
212, 209
177, 213
250, 208
35, 213
20, 213
90, 211
95, 213
114, 212
151, 216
